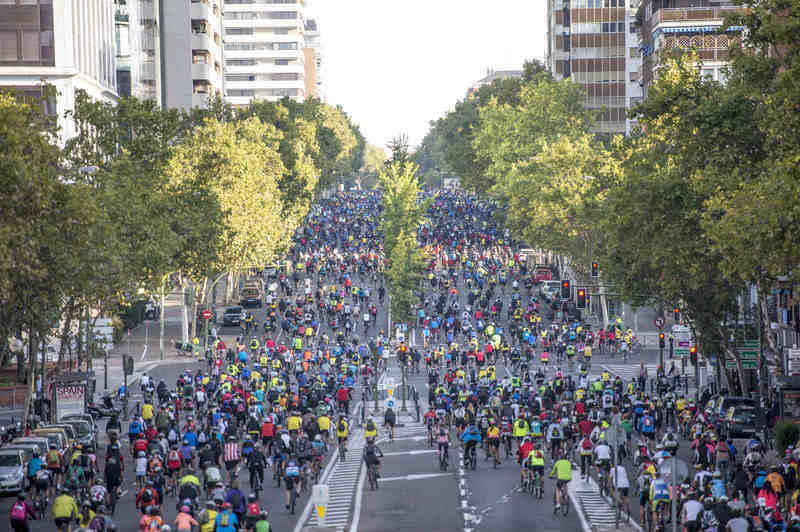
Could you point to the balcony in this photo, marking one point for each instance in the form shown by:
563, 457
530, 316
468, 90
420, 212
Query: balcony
265, 68
200, 99
679, 15
263, 6
202, 41
290, 23
201, 9
265, 84
263, 54
202, 71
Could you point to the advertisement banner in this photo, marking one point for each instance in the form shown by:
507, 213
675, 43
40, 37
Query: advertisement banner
70, 398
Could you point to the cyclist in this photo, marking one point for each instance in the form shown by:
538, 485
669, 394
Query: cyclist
342, 431
562, 468
535, 462
619, 479
493, 442
659, 495
602, 453
389, 421
470, 438
256, 462
64, 510
372, 454
291, 481
443, 443
370, 430
20, 511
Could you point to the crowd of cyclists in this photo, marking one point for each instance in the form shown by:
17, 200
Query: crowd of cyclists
509, 378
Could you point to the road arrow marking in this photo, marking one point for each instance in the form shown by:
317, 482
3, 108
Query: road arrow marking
415, 477
424, 451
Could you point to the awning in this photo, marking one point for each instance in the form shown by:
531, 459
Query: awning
698, 29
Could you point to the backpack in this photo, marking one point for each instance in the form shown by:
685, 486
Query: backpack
53, 458
370, 425
236, 499
224, 519
587, 444
556, 433
18, 512
147, 495
98, 523
341, 426
174, 460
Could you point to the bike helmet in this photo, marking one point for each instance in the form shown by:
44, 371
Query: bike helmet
252, 498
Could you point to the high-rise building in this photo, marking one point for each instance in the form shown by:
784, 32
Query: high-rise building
313, 58
67, 44
595, 44
686, 25
264, 50
170, 51
138, 63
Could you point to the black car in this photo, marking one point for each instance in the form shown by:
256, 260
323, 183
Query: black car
719, 405
743, 421
232, 316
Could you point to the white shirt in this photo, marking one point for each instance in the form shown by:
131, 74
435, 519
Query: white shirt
603, 452
691, 508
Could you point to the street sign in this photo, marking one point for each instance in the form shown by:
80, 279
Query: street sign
794, 361
390, 403
748, 353
683, 340
659, 322
206, 314
319, 496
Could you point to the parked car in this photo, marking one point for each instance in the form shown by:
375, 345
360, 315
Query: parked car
252, 295
12, 470
26, 448
83, 430
232, 316
719, 405
68, 431
85, 417
53, 438
743, 421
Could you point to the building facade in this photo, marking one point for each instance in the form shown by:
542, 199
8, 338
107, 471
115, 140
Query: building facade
264, 50
313, 58
595, 44
686, 25
492, 75
138, 50
69, 45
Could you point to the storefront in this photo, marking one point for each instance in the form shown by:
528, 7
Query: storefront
789, 397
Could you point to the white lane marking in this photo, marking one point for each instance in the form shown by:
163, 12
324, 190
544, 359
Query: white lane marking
423, 451
415, 477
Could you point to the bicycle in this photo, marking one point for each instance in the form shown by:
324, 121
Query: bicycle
372, 475
562, 490
622, 509
537, 486
255, 482
472, 458
443, 458
659, 524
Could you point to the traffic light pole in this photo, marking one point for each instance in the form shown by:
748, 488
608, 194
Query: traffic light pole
661, 359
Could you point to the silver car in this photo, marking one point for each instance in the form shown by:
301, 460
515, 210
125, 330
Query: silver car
12, 470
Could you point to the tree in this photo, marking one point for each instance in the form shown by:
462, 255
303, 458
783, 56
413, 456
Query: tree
404, 275
402, 212
224, 180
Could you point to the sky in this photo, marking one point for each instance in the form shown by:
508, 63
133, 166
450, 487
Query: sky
394, 66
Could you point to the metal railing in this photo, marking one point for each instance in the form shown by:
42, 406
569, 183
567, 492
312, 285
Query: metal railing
692, 14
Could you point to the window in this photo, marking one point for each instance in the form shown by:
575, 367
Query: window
281, 61
284, 46
634, 76
239, 77
8, 46
707, 73
240, 92
240, 62
281, 31
240, 31
283, 15
285, 76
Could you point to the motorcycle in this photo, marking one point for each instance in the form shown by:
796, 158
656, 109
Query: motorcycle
106, 409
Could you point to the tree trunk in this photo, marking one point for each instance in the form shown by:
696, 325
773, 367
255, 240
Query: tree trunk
64, 336
772, 352
229, 284
31, 377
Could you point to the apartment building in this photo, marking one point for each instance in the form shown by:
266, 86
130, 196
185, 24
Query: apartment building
313, 58
595, 44
69, 45
686, 25
493, 75
264, 50
170, 51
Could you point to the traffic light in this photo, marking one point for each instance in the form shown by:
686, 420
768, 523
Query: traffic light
566, 291
677, 314
595, 270
693, 354
661, 340
128, 364
581, 298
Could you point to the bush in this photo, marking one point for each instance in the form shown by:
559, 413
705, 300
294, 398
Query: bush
786, 434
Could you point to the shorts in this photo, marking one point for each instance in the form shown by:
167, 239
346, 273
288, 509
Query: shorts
494, 442
62, 521
389, 423
289, 482
623, 491
650, 435
561, 483
644, 496
231, 465
536, 468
